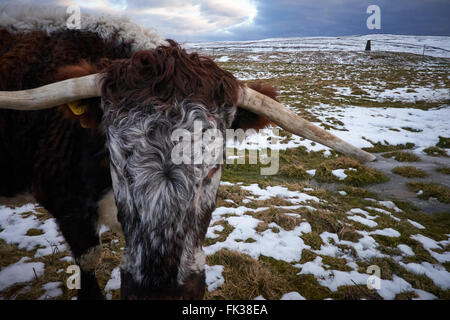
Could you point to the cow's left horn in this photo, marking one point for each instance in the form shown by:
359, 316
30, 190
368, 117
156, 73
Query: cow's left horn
53, 94
262, 105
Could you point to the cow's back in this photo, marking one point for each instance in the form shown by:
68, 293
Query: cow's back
29, 60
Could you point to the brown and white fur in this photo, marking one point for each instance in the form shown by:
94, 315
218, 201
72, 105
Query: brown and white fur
111, 165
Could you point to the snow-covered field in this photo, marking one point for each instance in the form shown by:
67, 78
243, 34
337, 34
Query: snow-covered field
359, 125
288, 236
282, 244
380, 42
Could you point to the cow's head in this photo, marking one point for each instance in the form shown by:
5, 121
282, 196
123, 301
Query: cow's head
164, 205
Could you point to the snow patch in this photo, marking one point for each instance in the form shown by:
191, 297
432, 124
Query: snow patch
113, 283
20, 272
292, 296
281, 244
406, 250
214, 278
416, 224
436, 273
15, 227
387, 232
52, 290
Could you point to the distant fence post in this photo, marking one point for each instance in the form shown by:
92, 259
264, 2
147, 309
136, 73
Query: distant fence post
368, 45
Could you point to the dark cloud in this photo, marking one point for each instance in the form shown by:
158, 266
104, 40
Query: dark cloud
333, 18
229, 19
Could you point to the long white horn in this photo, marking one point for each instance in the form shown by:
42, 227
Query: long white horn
270, 109
53, 94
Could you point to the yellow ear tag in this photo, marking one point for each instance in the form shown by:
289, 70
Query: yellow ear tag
76, 108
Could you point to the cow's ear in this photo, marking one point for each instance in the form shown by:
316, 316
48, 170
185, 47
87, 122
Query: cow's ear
86, 112
83, 68
248, 120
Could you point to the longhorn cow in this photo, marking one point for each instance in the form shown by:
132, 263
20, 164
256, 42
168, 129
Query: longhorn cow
85, 123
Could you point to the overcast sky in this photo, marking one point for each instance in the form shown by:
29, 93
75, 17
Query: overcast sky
205, 20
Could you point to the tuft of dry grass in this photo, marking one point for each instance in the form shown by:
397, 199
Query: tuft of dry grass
358, 91
401, 156
275, 215
223, 235
443, 170
365, 176
274, 201
333, 263
435, 152
34, 232
378, 147
356, 292
261, 227
247, 278
435, 190
443, 142
313, 240
407, 295
349, 233
294, 171
323, 220
233, 192
409, 172
362, 176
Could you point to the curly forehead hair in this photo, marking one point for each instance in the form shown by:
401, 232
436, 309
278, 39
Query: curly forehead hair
168, 74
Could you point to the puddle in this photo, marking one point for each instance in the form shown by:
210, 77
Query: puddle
396, 187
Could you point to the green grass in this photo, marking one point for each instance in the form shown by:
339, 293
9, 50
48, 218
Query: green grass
401, 156
294, 171
443, 143
435, 190
409, 172
365, 176
333, 263
378, 147
293, 164
34, 232
275, 215
362, 176
323, 220
313, 240
435, 152
443, 170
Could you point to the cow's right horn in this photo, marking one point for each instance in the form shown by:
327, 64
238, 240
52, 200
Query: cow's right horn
288, 120
53, 94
